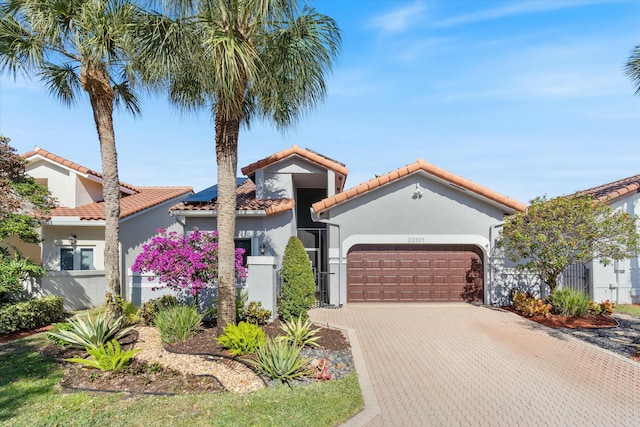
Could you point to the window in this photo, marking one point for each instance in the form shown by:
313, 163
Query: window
246, 245
76, 258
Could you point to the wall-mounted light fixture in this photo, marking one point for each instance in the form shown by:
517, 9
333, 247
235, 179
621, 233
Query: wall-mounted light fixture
417, 194
263, 248
73, 239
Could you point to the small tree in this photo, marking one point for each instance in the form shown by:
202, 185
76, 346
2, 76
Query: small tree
553, 234
184, 262
22, 203
298, 284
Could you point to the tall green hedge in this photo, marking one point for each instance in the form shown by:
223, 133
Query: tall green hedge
298, 289
30, 314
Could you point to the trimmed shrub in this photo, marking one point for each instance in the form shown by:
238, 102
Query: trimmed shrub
605, 308
177, 323
255, 313
150, 309
529, 305
31, 314
298, 284
243, 338
569, 302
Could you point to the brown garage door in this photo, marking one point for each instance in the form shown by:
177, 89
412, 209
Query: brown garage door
414, 273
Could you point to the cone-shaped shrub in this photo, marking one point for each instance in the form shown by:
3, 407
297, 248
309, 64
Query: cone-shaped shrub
298, 284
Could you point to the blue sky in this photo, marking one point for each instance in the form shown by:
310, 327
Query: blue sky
524, 97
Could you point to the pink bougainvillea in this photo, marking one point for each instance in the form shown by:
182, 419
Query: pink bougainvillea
188, 262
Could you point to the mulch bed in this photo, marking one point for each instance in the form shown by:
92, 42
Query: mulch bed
138, 377
144, 378
557, 321
204, 342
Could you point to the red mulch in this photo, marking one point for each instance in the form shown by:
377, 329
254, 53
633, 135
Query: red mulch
590, 321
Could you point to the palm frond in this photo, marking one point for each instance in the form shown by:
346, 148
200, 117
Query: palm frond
62, 81
124, 96
297, 55
20, 50
632, 68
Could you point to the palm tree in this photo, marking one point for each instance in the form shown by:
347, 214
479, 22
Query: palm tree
242, 59
73, 45
632, 68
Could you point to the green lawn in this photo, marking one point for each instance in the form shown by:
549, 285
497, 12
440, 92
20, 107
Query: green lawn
29, 396
629, 309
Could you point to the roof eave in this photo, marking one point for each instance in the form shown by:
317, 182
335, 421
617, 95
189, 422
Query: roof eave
214, 214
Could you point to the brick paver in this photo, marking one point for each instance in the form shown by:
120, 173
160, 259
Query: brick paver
458, 364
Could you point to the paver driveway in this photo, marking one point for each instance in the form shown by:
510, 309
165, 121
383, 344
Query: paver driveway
458, 364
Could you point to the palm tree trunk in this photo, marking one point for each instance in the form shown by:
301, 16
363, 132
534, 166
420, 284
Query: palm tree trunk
96, 83
227, 131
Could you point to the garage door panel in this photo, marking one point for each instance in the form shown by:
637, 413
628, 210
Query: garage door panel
372, 279
356, 263
372, 295
407, 264
425, 279
409, 272
390, 279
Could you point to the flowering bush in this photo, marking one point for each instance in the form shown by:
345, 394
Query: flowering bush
188, 262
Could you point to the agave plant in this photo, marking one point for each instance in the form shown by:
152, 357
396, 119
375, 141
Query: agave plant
279, 360
91, 333
299, 332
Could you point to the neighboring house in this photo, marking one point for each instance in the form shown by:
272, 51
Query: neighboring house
619, 281
419, 233
73, 236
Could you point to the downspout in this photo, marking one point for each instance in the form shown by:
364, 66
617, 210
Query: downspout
616, 269
316, 218
180, 219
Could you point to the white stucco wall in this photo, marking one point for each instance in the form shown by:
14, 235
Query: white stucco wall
136, 231
393, 214
619, 281
274, 231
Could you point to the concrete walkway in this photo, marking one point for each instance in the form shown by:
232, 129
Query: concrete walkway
459, 365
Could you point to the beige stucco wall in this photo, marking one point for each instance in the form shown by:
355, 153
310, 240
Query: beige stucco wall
87, 191
27, 250
55, 237
61, 182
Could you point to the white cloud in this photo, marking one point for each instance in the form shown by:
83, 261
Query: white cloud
400, 19
570, 70
518, 8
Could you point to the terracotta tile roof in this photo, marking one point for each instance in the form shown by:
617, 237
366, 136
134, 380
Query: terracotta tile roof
145, 198
614, 190
71, 165
302, 152
408, 170
246, 201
